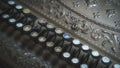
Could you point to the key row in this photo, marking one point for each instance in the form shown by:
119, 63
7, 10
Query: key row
55, 39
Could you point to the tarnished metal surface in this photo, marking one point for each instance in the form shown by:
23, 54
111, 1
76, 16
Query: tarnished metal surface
81, 22
11, 52
104, 12
95, 22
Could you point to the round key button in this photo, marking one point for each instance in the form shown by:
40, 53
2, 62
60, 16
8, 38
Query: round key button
76, 41
19, 25
95, 53
67, 36
18, 7
75, 60
105, 60
27, 28
5, 16
116, 66
66, 55
12, 20
83, 66
85, 47
11, 2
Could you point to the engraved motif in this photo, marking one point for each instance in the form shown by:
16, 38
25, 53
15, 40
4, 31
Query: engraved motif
96, 15
36, 25
61, 13
109, 2
109, 40
68, 13
97, 12
52, 1
112, 39
91, 3
84, 27
76, 4
117, 43
118, 3
110, 12
74, 26
96, 34
117, 24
